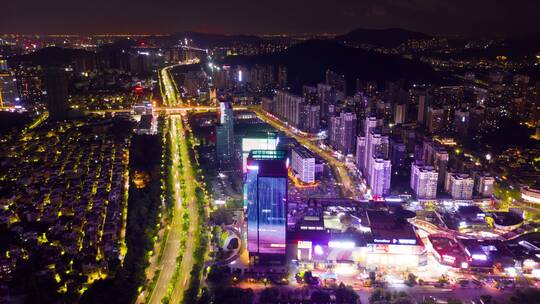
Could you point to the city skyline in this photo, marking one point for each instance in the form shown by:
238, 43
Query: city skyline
376, 166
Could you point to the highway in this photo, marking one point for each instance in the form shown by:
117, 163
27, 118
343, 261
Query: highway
172, 282
172, 243
190, 182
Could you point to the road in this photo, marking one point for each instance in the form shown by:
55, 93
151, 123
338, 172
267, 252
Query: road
184, 179
172, 243
347, 186
189, 193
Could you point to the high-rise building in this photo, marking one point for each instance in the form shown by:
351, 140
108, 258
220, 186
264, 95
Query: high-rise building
435, 155
428, 147
289, 107
360, 153
380, 175
461, 121
484, 184
424, 181
476, 118
398, 154
282, 76
461, 186
56, 85
9, 96
338, 82
225, 133
440, 162
303, 164
369, 124
422, 108
3, 64
257, 141
447, 179
262, 76
435, 120
535, 113
310, 94
342, 132
377, 145
266, 201
400, 114
327, 97
369, 87
213, 95
312, 121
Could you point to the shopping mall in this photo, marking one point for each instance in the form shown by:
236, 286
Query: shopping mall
326, 232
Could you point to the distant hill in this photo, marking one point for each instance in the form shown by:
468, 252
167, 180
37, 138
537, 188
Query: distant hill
384, 38
307, 63
205, 40
514, 48
51, 56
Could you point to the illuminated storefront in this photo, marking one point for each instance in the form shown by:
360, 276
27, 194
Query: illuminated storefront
370, 256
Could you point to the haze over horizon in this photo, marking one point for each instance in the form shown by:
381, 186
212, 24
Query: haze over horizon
446, 17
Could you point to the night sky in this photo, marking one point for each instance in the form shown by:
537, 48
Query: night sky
464, 17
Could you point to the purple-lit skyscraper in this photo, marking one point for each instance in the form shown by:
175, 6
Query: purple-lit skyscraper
266, 200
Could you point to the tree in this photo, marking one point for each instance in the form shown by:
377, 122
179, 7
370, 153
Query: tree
234, 295
376, 295
217, 275
403, 300
429, 300
222, 217
486, 298
234, 204
411, 279
269, 295
346, 295
206, 297
529, 295
320, 297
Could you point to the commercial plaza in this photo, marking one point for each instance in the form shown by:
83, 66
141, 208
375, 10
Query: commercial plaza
359, 241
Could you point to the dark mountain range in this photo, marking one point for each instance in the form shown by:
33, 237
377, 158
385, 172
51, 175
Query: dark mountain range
205, 40
307, 63
515, 48
51, 56
383, 38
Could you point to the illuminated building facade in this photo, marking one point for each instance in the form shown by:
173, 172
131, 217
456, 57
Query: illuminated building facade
303, 164
257, 141
266, 201
9, 96
380, 175
461, 186
424, 181
289, 107
225, 133
342, 132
